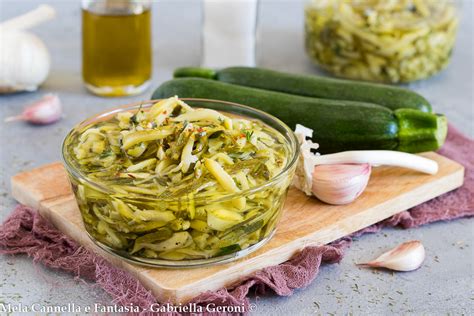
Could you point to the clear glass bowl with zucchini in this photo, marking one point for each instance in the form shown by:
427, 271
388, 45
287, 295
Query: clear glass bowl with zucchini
181, 182
379, 40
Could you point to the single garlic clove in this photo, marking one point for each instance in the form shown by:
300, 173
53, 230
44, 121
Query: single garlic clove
406, 257
47, 110
340, 183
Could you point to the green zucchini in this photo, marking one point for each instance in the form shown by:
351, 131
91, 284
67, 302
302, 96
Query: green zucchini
338, 125
206, 73
313, 86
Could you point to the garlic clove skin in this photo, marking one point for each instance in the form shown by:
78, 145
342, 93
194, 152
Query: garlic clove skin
406, 257
24, 61
340, 183
47, 110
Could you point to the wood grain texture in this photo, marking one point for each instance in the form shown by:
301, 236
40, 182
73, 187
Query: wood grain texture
305, 221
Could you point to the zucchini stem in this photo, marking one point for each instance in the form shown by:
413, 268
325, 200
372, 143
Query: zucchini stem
419, 131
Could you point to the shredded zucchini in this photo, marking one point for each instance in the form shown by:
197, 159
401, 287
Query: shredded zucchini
166, 172
381, 40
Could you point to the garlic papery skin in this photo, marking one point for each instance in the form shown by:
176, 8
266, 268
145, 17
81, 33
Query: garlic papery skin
24, 61
304, 169
408, 256
341, 183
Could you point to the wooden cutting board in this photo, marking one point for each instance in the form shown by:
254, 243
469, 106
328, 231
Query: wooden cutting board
305, 222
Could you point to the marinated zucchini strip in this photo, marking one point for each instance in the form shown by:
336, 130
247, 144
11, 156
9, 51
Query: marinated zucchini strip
205, 115
143, 241
134, 138
162, 110
123, 209
178, 240
223, 219
152, 215
142, 165
225, 180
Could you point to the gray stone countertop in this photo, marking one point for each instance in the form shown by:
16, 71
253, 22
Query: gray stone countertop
444, 285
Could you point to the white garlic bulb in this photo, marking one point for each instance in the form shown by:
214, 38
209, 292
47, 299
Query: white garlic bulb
24, 61
24, 58
341, 177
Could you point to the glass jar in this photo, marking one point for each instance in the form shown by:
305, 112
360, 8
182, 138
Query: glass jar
116, 46
188, 229
379, 40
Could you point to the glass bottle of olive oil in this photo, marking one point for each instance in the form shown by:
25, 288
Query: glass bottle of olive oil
116, 46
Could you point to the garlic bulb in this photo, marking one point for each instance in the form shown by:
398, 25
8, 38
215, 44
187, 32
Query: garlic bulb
406, 257
24, 59
341, 177
340, 184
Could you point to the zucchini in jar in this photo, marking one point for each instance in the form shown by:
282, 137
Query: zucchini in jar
379, 40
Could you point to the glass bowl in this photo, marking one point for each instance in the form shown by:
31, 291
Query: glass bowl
118, 235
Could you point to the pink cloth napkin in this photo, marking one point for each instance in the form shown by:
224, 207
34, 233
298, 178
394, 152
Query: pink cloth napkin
26, 232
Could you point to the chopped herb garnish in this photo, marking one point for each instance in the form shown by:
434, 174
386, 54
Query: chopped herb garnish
106, 154
248, 135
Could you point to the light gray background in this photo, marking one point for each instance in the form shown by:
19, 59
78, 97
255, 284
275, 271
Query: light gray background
444, 285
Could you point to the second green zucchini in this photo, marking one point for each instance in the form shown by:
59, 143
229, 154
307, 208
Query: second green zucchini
313, 86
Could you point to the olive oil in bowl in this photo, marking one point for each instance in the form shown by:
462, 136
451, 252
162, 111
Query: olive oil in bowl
116, 51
